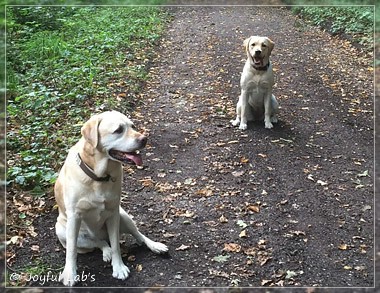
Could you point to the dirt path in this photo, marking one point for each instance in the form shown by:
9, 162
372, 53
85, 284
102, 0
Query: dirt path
290, 206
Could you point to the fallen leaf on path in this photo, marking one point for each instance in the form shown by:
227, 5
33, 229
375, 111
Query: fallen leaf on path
347, 267
262, 242
241, 224
254, 208
182, 247
244, 160
343, 246
264, 259
204, 192
293, 233
131, 258
189, 181
139, 267
232, 247
233, 142
15, 240
218, 273
161, 175
364, 174
238, 173
223, 219
147, 182
221, 258
185, 214
266, 282
170, 235
359, 268
243, 234
35, 248
366, 208
290, 274
322, 183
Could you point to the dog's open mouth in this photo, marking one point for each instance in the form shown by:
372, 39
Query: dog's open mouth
257, 61
127, 157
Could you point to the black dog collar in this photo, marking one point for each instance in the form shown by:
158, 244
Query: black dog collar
263, 68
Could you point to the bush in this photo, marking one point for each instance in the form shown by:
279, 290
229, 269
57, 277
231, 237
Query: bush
63, 64
356, 21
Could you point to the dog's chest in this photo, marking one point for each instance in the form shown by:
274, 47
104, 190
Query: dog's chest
258, 84
98, 207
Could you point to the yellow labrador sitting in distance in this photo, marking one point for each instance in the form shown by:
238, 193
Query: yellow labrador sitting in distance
256, 100
88, 191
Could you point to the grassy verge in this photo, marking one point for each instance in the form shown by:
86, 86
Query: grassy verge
64, 63
353, 19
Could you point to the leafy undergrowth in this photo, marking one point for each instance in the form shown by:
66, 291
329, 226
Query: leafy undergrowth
64, 63
353, 22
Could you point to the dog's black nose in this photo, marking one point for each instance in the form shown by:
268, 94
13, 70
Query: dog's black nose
143, 141
257, 52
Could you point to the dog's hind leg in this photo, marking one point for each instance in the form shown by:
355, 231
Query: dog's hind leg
127, 225
275, 108
236, 122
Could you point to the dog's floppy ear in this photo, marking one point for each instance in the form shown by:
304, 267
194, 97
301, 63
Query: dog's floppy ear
246, 43
90, 130
271, 45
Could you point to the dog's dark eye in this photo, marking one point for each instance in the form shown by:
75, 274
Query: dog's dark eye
263, 45
119, 130
253, 44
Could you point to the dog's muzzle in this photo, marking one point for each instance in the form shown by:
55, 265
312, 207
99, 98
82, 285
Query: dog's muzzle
133, 158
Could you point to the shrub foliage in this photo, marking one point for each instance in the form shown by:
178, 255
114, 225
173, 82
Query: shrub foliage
356, 21
62, 64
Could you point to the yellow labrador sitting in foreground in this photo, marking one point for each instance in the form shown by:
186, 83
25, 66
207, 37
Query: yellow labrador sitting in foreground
256, 100
88, 191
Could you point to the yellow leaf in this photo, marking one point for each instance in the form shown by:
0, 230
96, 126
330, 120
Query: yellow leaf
139, 267
243, 234
223, 219
347, 267
343, 247
244, 160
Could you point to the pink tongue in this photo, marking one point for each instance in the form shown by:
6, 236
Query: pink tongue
135, 158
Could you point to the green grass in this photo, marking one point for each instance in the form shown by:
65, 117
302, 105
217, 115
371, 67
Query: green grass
64, 63
356, 21
35, 271
348, 16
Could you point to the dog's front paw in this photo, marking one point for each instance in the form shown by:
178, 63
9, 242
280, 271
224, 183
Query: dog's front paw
235, 122
243, 126
107, 253
67, 277
158, 247
268, 124
120, 271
